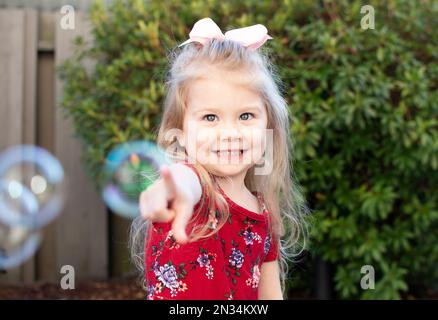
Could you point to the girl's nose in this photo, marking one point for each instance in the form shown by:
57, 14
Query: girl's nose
229, 132
229, 137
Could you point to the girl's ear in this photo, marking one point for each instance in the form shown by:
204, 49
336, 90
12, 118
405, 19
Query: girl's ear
180, 139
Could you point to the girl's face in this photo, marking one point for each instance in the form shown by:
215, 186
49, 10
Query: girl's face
224, 124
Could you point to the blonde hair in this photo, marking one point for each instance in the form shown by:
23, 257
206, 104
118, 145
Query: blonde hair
280, 191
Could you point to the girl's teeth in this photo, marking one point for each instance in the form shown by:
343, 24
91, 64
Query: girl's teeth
226, 153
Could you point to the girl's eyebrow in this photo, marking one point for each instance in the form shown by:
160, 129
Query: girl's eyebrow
252, 107
204, 109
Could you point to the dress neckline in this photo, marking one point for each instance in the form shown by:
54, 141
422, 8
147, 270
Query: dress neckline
245, 211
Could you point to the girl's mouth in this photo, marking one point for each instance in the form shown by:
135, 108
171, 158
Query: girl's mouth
230, 154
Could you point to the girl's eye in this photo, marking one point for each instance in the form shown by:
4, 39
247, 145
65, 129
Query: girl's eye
209, 117
246, 116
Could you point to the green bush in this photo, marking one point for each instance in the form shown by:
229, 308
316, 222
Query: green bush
364, 105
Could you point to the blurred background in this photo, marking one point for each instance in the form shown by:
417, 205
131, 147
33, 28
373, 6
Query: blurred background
364, 106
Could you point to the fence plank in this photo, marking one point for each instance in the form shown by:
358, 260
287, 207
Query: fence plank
82, 236
29, 103
18, 33
11, 77
46, 259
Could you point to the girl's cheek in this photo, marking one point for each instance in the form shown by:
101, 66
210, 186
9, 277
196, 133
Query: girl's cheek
258, 140
191, 134
199, 144
203, 138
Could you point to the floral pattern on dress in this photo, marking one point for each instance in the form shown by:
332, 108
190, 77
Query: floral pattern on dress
168, 276
236, 258
254, 280
267, 244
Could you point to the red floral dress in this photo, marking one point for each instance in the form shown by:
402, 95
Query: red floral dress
223, 266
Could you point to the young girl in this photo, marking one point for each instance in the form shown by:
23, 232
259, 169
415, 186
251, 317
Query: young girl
214, 220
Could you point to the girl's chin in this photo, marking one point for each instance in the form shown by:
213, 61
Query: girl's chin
219, 162
224, 170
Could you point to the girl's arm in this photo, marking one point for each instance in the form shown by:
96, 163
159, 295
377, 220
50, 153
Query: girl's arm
172, 197
269, 283
184, 178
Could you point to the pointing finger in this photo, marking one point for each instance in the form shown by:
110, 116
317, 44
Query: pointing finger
182, 217
169, 182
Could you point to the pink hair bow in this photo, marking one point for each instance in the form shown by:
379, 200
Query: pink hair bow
206, 29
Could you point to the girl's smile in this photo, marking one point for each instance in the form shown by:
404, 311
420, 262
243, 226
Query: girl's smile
230, 154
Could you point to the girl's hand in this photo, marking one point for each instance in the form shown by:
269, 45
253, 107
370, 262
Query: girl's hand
167, 200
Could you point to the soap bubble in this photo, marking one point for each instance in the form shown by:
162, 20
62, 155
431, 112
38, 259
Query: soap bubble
18, 205
131, 168
30, 176
31, 195
17, 244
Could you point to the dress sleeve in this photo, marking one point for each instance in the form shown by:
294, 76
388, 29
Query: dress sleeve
272, 245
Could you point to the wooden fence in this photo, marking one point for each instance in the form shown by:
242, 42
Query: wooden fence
32, 44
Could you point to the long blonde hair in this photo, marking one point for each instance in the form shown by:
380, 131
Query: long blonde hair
280, 191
